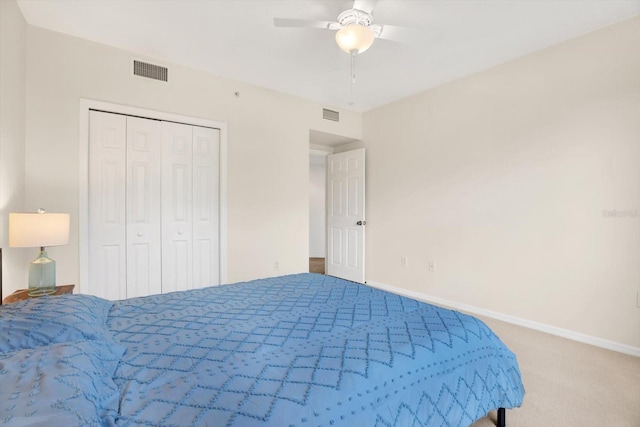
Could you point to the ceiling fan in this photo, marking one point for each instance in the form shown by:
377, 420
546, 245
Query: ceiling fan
355, 30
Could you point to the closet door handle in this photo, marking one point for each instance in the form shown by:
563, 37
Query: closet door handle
361, 223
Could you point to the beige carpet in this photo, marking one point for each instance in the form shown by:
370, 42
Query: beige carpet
569, 384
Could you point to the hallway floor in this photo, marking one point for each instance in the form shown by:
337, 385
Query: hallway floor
316, 265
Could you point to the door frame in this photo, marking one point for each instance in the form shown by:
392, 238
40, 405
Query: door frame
83, 208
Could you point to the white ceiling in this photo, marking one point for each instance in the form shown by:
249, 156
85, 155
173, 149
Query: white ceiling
237, 39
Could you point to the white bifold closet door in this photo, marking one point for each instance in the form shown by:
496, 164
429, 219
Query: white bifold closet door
107, 206
143, 193
153, 206
190, 182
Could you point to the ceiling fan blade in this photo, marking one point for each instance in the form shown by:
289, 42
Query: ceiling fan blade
364, 5
303, 23
396, 34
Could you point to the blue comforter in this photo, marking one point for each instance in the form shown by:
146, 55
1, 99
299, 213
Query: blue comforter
300, 350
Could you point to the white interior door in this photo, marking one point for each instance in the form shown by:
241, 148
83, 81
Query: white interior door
107, 206
345, 215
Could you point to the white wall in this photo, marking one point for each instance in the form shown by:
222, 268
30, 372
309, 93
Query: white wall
317, 202
12, 120
502, 177
268, 146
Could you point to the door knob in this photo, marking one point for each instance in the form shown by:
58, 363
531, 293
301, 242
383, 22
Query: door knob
361, 223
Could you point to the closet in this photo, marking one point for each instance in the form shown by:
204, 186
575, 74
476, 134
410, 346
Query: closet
153, 206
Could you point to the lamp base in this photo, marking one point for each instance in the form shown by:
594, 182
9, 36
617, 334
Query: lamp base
42, 275
40, 292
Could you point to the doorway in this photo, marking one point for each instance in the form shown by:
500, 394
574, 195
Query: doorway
321, 144
317, 210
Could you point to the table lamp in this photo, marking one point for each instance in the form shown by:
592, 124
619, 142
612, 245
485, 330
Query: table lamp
33, 229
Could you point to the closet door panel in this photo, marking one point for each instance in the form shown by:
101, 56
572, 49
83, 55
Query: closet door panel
206, 196
177, 209
107, 206
143, 194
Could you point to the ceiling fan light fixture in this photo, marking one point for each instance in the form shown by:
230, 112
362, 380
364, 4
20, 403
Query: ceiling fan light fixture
355, 37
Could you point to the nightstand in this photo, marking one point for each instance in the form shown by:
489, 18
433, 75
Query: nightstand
22, 294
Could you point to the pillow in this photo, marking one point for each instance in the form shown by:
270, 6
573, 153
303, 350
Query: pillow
67, 384
47, 320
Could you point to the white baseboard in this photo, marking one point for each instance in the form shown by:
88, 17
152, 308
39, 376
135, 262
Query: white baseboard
565, 333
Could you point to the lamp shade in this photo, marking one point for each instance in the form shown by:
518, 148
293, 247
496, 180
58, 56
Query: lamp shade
355, 37
27, 230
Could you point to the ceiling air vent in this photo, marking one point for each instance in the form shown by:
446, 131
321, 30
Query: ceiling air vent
330, 115
151, 71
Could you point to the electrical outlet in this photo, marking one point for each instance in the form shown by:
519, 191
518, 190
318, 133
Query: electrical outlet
432, 266
276, 265
404, 261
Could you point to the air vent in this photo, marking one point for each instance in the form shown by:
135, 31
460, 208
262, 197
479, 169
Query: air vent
330, 115
151, 71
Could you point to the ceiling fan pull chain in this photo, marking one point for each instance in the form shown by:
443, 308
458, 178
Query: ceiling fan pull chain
353, 76
353, 67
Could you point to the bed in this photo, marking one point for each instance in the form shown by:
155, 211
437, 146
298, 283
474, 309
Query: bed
298, 350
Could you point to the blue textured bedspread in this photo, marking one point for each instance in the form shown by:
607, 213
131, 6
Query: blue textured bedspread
301, 350
305, 350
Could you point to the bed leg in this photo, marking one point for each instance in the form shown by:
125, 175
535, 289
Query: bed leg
501, 418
